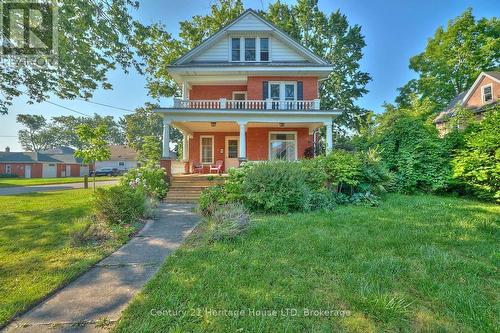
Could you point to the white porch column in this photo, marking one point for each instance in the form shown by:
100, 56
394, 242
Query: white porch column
185, 90
329, 137
243, 142
166, 138
185, 146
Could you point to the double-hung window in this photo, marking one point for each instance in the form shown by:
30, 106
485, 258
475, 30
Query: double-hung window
487, 93
8, 169
264, 49
283, 146
250, 51
207, 149
235, 49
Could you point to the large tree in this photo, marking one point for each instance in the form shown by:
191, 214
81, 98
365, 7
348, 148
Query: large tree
145, 123
94, 37
328, 35
453, 59
36, 134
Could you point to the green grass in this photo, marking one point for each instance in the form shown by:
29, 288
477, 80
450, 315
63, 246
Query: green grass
416, 263
35, 256
7, 182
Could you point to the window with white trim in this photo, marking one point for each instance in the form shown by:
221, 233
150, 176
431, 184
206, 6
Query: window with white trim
283, 146
235, 49
250, 49
264, 49
8, 169
487, 93
207, 149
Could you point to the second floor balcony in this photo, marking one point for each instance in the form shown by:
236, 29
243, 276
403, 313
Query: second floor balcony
268, 104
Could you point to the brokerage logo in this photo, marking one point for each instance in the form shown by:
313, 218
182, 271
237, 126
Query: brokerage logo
28, 28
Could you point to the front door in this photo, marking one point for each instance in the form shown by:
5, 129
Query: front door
27, 171
68, 170
232, 149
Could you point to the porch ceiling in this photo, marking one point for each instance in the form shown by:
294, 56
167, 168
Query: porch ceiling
191, 126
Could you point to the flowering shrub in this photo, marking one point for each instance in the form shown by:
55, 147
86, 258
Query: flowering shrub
149, 180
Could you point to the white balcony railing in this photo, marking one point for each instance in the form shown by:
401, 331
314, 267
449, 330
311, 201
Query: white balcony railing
268, 104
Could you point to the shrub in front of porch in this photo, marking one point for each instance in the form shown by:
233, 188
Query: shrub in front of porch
150, 180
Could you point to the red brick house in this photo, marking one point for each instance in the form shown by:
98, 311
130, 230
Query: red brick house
249, 93
482, 95
52, 163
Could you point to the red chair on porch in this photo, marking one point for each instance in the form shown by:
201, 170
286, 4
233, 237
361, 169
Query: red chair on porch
197, 167
217, 166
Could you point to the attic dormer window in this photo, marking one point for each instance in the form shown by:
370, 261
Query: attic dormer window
250, 49
487, 93
235, 49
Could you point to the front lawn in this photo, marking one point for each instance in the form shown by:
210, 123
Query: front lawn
416, 263
8, 182
35, 256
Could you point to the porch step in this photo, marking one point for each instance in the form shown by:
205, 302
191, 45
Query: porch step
188, 188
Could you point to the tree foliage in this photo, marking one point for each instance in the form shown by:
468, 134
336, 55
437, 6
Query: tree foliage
35, 136
477, 165
95, 146
94, 37
453, 58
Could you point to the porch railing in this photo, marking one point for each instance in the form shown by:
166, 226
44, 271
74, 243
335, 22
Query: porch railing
269, 104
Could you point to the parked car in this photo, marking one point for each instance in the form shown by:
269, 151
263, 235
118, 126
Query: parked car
105, 172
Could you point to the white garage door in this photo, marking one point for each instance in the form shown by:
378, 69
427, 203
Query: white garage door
49, 170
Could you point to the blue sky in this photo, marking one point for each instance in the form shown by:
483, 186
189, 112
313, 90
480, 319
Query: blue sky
394, 31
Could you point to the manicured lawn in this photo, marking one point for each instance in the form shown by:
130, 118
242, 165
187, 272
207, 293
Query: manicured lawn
6, 182
416, 263
35, 256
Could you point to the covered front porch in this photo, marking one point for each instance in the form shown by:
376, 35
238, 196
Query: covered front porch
224, 140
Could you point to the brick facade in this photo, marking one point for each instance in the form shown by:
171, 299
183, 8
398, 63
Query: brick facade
214, 92
257, 145
18, 169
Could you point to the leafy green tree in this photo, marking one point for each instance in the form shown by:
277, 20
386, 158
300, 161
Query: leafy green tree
477, 165
94, 37
66, 125
145, 123
95, 146
150, 152
454, 57
37, 135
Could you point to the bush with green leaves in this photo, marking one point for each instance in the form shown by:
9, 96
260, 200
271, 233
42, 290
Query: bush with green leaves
211, 198
275, 187
148, 179
229, 220
477, 164
416, 155
119, 205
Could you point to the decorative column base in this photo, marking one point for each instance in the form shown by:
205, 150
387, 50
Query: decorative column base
241, 160
166, 163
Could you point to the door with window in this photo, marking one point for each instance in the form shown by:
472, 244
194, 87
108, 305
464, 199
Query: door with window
232, 149
283, 94
27, 171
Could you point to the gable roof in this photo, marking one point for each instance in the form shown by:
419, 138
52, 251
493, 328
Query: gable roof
280, 34
492, 75
122, 152
54, 155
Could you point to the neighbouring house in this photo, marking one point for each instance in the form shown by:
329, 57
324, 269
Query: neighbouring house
122, 158
249, 93
51, 163
482, 95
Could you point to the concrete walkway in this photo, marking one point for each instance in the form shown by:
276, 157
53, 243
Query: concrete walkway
105, 290
53, 187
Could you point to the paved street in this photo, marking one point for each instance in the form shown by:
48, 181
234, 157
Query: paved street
53, 187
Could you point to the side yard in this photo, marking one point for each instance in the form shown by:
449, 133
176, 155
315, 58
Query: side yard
35, 252
8, 182
415, 263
